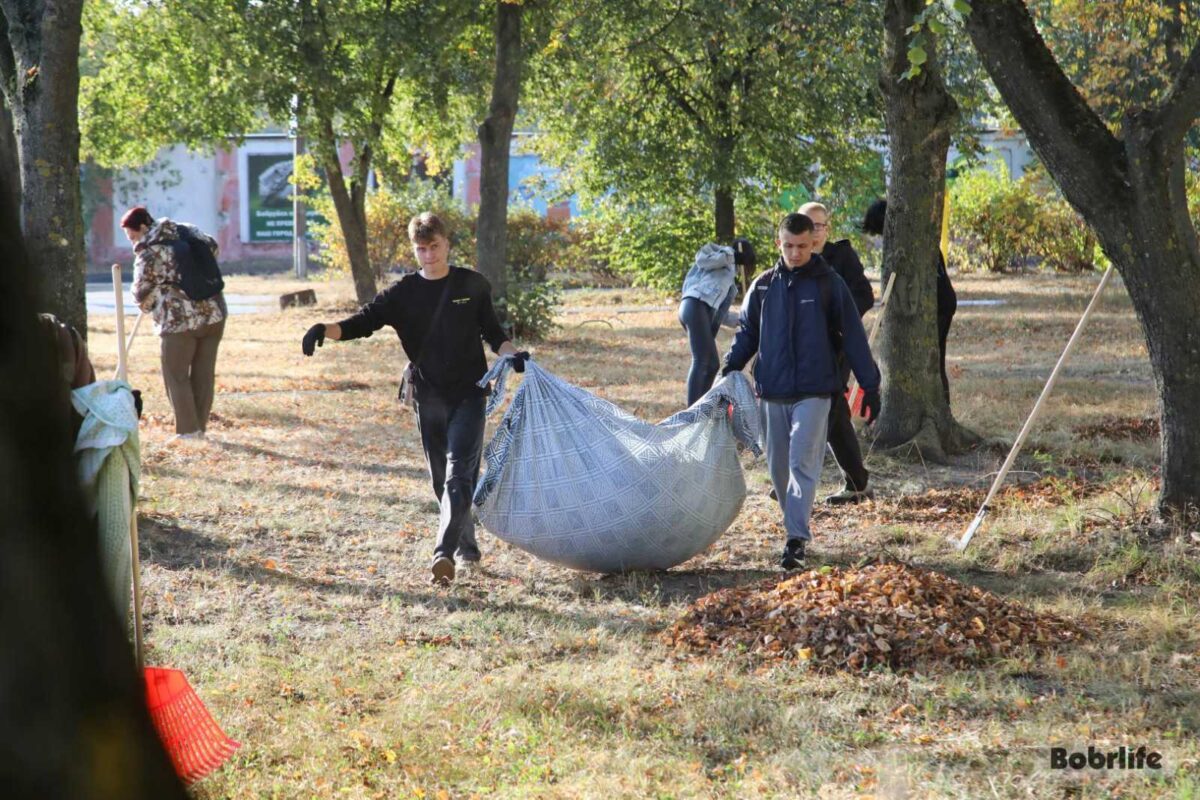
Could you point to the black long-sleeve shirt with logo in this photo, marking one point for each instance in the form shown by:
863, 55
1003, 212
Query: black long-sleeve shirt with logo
451, 358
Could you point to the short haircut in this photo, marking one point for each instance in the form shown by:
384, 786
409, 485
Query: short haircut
796, 223
873, 220
425, 227
136, 217
814, 206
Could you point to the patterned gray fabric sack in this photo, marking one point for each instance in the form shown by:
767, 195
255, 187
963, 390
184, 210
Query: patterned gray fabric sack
576, 481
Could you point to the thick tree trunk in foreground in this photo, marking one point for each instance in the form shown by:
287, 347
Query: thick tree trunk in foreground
350, 204
495, 135
39, 70
919, 113
10, 160
73, 721
1130, 190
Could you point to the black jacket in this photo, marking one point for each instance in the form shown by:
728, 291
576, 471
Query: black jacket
845, 262
451, 357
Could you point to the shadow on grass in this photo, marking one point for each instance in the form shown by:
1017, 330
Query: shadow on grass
374, 469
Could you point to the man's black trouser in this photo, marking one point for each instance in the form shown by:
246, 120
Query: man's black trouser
843, 441
452, 436
944, 321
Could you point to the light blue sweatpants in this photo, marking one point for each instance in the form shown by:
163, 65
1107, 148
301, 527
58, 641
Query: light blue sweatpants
794, 434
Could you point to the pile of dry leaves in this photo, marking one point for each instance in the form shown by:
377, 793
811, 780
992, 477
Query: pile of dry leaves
883, 614
1136, 428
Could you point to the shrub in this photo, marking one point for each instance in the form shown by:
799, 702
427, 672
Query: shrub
536, 244
998, 224
530, 305
388, 213
652, 245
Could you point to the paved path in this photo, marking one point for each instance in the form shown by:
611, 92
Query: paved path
100, 301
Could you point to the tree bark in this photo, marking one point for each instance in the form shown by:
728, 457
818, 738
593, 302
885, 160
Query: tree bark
724, 214
1130, 191
73, 720
495, 135
919, 113
39, 70
10, 159
350, 205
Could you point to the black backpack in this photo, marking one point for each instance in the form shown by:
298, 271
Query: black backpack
199, 275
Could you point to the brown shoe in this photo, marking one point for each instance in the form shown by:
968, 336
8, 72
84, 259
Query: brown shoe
443, 570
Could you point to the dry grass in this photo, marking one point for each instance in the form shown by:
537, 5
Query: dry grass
286, 565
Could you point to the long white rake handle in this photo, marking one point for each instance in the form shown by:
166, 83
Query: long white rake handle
122, 366
118, 291
1016, 448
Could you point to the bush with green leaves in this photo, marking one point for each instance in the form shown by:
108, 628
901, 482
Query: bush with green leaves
529, 306
388, 214
999, 224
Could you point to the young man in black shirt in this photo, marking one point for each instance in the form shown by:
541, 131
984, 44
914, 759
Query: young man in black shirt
442, 315
843, 441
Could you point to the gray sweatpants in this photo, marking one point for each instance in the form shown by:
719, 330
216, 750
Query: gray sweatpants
794, 434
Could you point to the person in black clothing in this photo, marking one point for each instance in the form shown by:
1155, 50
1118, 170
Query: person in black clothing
843, 441
442, 314
947, 298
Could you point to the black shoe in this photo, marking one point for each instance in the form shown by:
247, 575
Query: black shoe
793, 554
850, 496
468, 555
443, 570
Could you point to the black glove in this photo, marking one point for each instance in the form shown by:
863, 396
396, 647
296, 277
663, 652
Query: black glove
137, 402
518, 361
313, 339
870, 406
744, 256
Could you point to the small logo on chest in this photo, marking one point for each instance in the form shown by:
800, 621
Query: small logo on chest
460, 300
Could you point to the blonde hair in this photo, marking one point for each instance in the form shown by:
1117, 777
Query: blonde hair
807, 207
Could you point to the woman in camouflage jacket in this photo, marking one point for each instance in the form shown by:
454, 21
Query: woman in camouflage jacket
190, 330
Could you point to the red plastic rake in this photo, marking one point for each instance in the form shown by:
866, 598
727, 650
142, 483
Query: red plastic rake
191, 737
189, 734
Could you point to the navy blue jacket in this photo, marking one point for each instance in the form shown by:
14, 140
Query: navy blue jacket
783, 321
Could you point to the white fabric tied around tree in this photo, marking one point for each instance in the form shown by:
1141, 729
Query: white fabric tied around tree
109, 459
574, 480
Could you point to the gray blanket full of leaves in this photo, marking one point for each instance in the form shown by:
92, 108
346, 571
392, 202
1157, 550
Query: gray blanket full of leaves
574, 480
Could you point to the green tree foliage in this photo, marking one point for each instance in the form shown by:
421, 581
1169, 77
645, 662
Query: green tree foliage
1118, 52
658, 104
200, 71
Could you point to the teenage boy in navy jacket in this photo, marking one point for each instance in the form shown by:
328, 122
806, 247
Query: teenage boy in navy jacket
797, 317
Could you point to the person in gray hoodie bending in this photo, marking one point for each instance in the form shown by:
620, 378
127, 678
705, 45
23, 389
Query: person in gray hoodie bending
708, 290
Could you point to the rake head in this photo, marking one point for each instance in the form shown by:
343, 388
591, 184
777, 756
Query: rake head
189, 734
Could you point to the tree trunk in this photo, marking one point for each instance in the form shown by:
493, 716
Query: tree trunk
724, 216
495, 135
349, 203
1155, 250
73, 720
39, 69
10, 160
918, 112
1130, 191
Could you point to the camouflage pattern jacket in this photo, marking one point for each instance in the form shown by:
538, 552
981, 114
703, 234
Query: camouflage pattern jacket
156, 283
